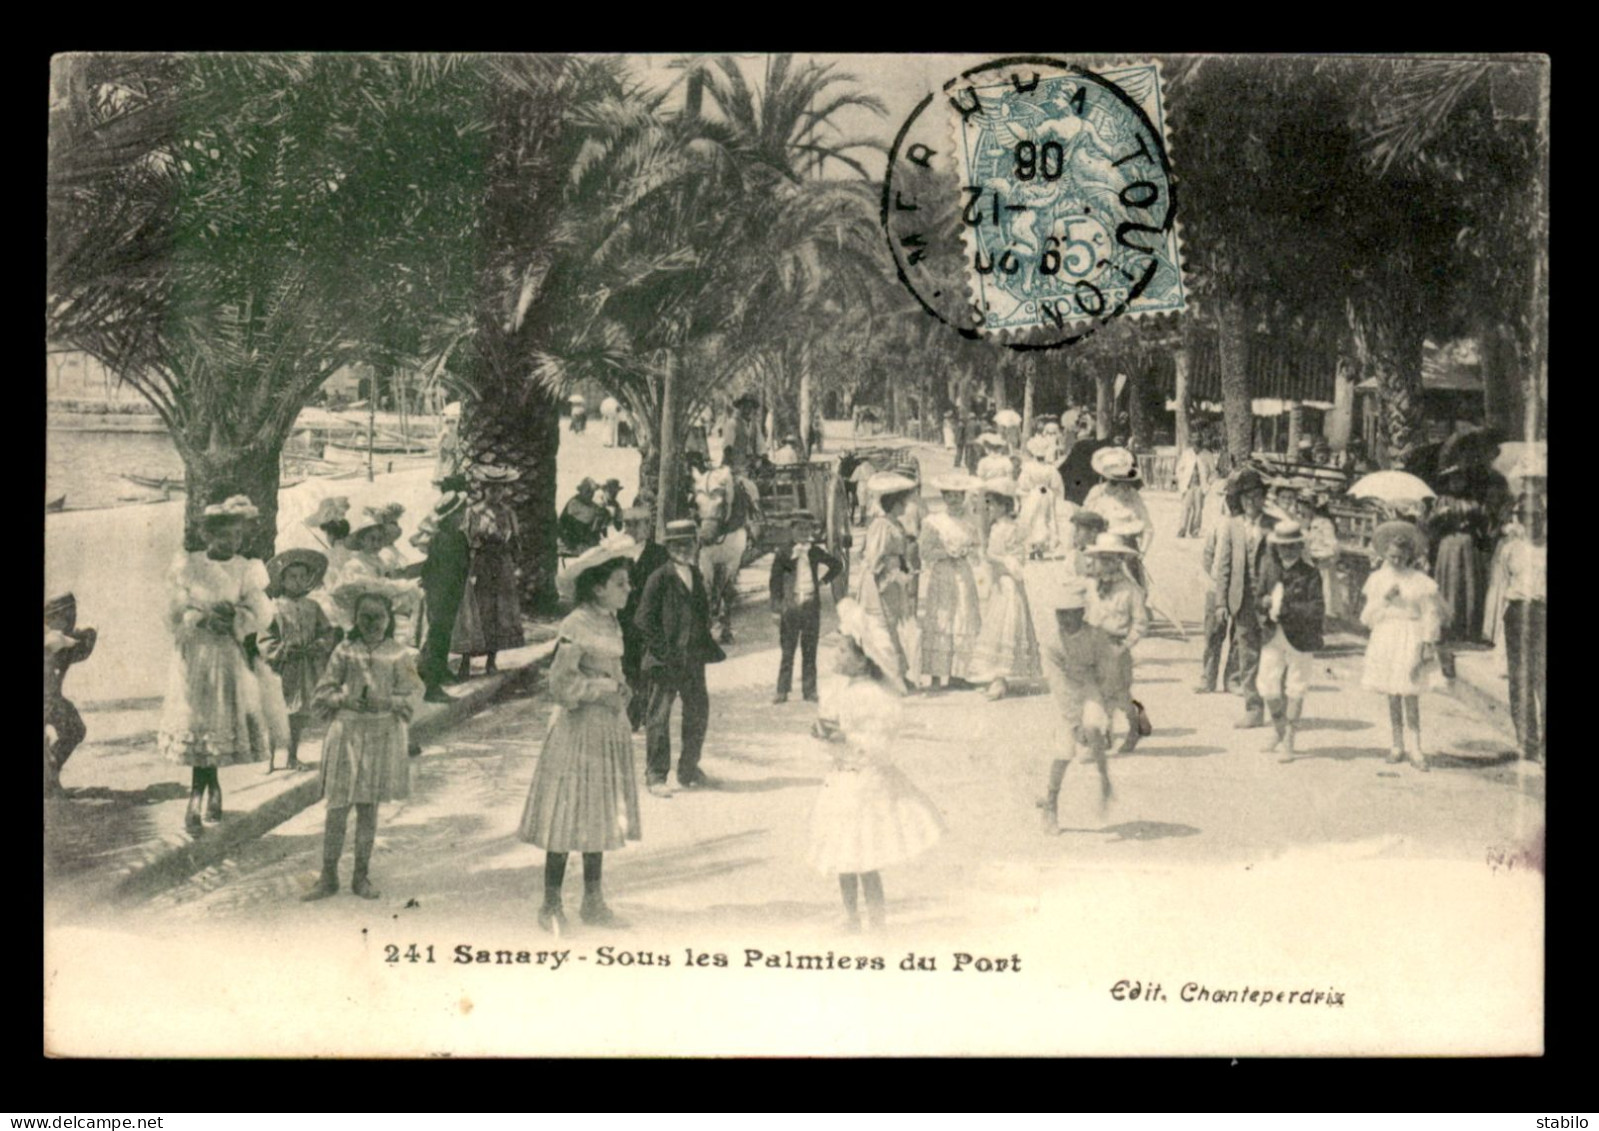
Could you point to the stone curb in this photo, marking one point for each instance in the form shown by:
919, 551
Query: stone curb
184, 858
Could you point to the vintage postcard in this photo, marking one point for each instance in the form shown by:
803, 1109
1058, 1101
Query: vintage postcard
784, 554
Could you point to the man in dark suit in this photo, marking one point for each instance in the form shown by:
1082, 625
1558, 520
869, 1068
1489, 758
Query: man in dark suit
797, 602
674, 616
1236, 567
444, 574
639, 522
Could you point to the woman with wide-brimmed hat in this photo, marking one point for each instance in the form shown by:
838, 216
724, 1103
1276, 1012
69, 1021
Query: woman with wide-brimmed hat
215, 713
1116, 496
1404, 614
1039, 490
951, 551
1005, 653
369, 691
584, 797
888, 585
489, 619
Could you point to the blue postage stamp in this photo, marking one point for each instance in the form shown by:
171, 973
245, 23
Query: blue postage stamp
1068, 211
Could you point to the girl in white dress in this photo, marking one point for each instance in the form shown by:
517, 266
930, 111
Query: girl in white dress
1404, 614
868, 815
215, 713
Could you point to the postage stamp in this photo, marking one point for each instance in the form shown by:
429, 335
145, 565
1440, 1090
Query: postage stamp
1068, 210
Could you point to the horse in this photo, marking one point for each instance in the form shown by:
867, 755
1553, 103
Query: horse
726, 509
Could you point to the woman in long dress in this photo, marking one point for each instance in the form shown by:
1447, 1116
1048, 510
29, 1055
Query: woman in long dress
490, 616
950, 547
887, 585
868, 814
1006, 651
1039, 489
215, 713
584, 797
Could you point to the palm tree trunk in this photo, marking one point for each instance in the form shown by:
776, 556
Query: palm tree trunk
1104, 401
1138, 415
1027, 396
219, 471
1397, 358
1180, 398
666, 441
805, 396
1234, 356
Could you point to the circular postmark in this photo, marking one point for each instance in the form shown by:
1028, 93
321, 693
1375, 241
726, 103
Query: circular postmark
1031, 201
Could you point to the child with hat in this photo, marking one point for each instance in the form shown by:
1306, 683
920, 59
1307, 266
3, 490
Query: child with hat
1291, 613
1405, 616
369, 689
1116, 607
65, 644
1006, 651
1081, 668
298, 642
215, 714
868, 814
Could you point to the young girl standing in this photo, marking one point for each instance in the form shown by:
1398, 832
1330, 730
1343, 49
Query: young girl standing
1404, 614
1006, 651
370, 689
868, 815
297, 643
584, 797
214, 714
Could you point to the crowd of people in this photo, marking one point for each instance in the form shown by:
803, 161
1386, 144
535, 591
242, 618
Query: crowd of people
1025, 578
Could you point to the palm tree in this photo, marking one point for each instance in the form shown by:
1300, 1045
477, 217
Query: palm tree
227, 231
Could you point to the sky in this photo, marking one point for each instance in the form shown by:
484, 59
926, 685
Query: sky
900, 81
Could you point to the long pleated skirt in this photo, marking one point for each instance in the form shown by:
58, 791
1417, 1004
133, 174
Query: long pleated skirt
584, 797
952, 619
365, 759
1458, 572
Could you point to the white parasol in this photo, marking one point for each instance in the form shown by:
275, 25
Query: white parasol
1521, 460
1391, 487
1007, 418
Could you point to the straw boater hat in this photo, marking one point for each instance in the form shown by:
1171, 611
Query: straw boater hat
1285, 533
237, 507
890, 483
956, 482
350, 592
620, 546
1131, 528
1108, 543
1115, 464
872, 637
448, 504
1388, 533
312, 560
494, 473
682, 530
1073, 594
330, 510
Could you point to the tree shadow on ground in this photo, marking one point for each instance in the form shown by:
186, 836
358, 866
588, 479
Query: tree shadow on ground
1341, 753
1161, 679
1141, 830
86, 827
762, 785
1148, 751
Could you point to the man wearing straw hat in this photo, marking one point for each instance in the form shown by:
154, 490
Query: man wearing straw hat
1079, 667
1292, 611
674, 616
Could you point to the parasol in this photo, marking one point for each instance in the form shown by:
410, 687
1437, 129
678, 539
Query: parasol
1521, 460
1007, 418
608, 406
1391, 487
